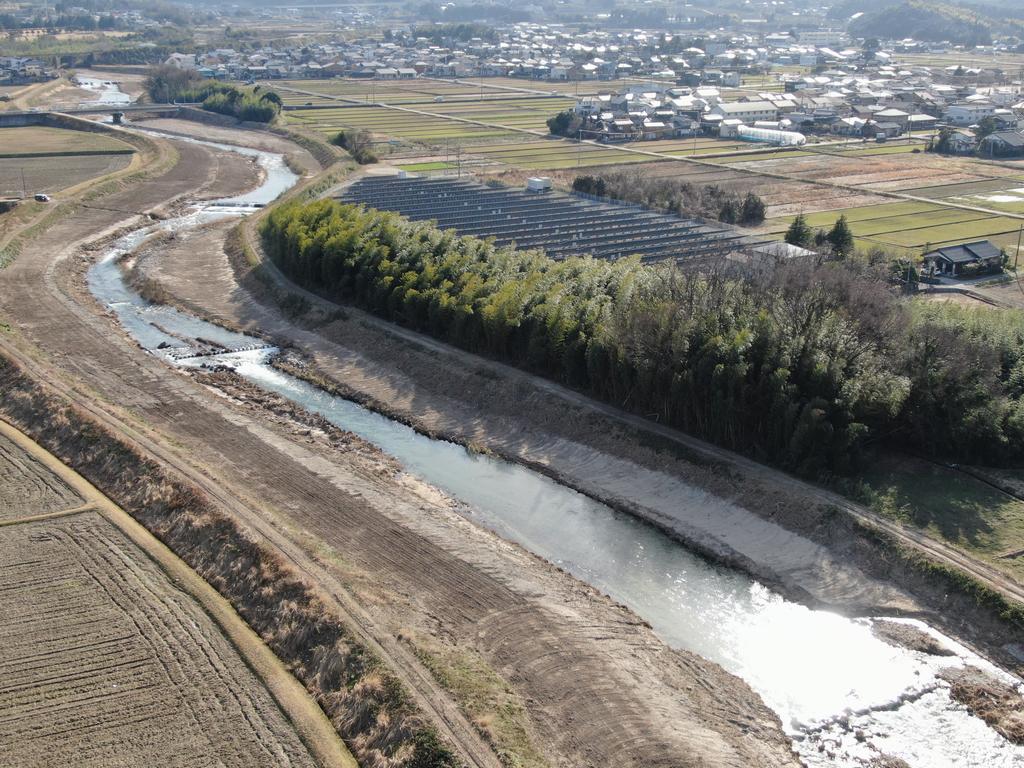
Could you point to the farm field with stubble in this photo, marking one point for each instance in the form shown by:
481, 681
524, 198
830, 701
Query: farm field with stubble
106, 658
45, 159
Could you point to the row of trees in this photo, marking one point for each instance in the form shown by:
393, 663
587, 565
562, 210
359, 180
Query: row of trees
668, 194
804, 366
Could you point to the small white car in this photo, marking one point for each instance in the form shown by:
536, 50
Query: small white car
41, 198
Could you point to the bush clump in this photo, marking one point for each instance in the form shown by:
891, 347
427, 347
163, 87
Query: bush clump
673, 196
167, 85
358, 144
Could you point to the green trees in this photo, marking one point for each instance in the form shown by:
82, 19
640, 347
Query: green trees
840, 238
804, 367
782, 371
590, 185
799, 233
752, 210
166, 84
253, 107
985, 127
565, 124
673, 196
358, 143
943, 144
729, 212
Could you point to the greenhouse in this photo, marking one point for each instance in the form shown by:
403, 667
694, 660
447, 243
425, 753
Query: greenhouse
771, 136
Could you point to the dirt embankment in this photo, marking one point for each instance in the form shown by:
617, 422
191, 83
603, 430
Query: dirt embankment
997, 703
910, 637
813, 549
363, 700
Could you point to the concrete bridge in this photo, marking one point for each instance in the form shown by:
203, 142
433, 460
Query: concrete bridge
15, 118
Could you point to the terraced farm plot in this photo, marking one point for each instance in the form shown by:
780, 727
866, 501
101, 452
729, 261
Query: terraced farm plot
394, 124
554, 154
910, 227
28, 488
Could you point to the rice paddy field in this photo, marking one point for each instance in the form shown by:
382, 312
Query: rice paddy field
110, 655
1007, 61
42, 140
43, 159
499, 125
947, 192
387, 123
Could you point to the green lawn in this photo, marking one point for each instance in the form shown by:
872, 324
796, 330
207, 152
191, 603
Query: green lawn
950, 505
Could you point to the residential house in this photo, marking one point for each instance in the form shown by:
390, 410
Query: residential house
968, 259
968, 113
747, 111
1002, 144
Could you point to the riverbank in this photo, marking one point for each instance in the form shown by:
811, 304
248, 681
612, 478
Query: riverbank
312, 396
878, 682
473, 401
598, 685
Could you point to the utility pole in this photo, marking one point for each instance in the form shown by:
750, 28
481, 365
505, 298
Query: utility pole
1017, 254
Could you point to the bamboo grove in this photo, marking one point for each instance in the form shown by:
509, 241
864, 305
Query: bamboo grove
804, 366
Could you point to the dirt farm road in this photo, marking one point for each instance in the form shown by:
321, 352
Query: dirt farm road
394, 559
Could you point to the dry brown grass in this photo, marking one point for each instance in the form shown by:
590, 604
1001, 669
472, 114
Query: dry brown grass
364, 701
997, 703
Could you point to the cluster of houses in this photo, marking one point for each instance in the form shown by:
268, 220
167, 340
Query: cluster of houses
875, 101
682, 88
528, 50
17, 70
875, 107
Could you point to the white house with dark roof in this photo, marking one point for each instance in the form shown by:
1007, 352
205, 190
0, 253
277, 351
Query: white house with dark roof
954, 260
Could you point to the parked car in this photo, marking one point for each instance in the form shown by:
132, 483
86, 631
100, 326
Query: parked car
41, 198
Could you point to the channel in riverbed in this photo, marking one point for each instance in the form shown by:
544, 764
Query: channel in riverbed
843, 695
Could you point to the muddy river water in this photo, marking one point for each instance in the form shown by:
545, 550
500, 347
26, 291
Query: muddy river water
843, 696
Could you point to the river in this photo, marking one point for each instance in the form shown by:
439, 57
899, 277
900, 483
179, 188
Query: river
843, 696
108, 93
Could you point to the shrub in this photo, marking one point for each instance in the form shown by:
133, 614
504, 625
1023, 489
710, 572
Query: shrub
358, 144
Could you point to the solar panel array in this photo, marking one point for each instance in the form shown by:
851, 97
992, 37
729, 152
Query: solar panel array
562, 225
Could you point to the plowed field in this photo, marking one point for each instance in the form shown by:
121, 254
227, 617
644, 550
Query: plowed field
27, 487
104, 659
